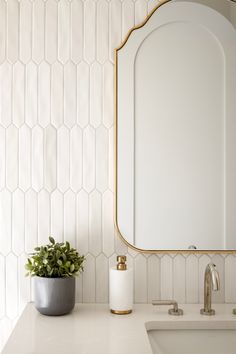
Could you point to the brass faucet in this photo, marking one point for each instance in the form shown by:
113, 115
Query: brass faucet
211, 282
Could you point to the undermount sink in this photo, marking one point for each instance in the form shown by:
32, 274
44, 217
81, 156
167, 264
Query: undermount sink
185, 337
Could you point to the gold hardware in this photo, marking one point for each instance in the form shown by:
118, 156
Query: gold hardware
117, 312
121, 265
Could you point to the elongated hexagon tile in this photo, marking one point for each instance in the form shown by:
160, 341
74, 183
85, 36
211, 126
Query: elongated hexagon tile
76, 154
12, 30
140, 279
79, 288
89, 159
31, 220
83, 94
70, 217
111, 160
57, 95
89, 30
50, 158
12, 141
2, 286
38, 24
25, 30
192, 276
179, 278
2, 157
107, 223
63, 159
82, 222
153, 278
70, 100
11, 286
120, 246
44, 94
115, 21
18, 222
43, 217
2, 30
102, 143
5, 221
127, 17
166, 277
140, 11
95, 95
63, 30
108, 109
102, 276
95, 223
23, 283
57, 216
51, 31
6, 94
89, 288
77, 38
24, 157
230, 285
102, 31
18, 94
31, 94
37, 158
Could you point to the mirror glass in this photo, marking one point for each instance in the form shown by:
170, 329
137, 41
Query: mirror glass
176, 128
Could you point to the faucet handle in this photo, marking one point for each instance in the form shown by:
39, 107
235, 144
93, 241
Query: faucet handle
175, 311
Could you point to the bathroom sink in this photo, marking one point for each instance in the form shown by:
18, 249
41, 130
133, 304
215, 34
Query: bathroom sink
185, 337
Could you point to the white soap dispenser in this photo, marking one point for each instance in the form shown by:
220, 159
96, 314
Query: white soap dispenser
121, 288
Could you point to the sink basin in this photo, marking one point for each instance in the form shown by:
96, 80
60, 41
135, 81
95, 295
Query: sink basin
185, 337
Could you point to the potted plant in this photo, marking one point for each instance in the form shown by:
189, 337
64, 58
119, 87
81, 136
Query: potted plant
54, 266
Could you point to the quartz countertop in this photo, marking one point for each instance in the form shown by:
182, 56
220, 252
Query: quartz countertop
92, 329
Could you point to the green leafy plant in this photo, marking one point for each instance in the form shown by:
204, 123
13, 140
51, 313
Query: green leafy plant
55, 260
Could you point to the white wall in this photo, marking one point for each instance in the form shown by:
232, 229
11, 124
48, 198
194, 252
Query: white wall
56, 151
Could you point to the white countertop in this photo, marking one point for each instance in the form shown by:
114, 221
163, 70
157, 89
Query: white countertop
92, 329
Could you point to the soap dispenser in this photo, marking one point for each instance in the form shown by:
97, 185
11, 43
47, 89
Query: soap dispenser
121, 288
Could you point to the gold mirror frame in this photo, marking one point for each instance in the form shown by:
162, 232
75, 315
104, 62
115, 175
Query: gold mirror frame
117, 230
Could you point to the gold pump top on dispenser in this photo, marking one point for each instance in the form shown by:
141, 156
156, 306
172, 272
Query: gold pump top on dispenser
121, 265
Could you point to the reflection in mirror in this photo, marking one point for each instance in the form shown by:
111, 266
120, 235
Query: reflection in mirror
176, 129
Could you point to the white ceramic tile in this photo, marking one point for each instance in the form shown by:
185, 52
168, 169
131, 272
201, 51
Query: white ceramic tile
95, 95
31, 221
79, 288
63, 30
108, 96
57, 95
18, 222
6, 94
11, 286
107, 223
95, 223
166, 277
77, 30
102, 278
57, 216
2, 30
12, 158
82, 221
50, 158
140, 11
112, 261
25, 30
70, 217
152, 4
89, 159
18, 98
23, 283
219, 296
102, 143
111, 160
115, 20
70, 100
89, 279
120, 247
63, 159
82, 94
31, 94
43, 217
12, 30
38, 22
89, 30
102, 31
192, 277
2, 157
140, 279
37, 158
127, 17
203, 261
153, 278
76, 154
230, 283
24, 157
44, 94
51, 31
179, 278
2, 287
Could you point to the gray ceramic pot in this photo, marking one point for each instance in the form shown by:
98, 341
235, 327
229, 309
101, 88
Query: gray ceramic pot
54, 296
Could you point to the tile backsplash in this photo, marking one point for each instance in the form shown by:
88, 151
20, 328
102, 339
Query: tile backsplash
56, 152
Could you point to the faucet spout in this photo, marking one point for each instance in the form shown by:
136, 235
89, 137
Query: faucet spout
211, 282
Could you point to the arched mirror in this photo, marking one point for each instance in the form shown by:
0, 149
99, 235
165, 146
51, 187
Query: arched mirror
176, 129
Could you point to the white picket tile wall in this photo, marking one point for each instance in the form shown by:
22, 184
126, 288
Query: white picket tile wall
56, 152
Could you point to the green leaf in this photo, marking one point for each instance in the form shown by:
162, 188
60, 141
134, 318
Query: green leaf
72, 268
67, 245
59, 262
51, 239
